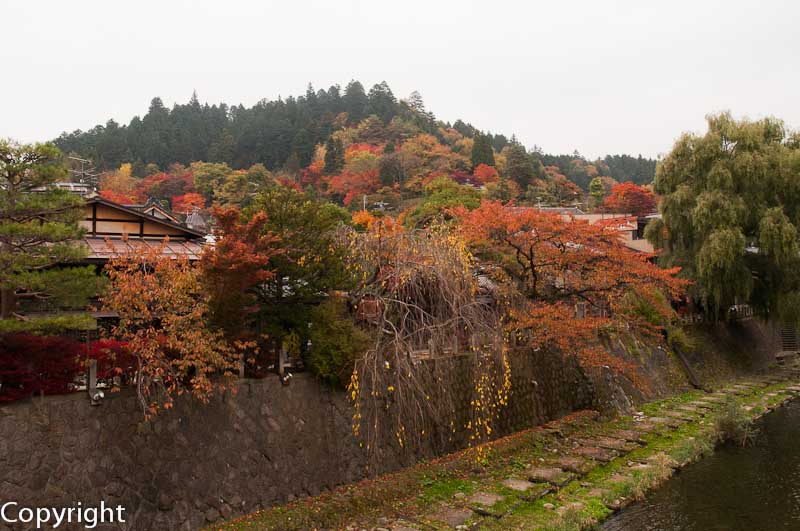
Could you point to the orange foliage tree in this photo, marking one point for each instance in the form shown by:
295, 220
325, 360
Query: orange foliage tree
486, 174
563, 279
163, 312
352, 185
632, 199
117, 197
183, 204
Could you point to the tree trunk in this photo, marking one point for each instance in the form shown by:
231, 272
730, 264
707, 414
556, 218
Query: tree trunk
8, 303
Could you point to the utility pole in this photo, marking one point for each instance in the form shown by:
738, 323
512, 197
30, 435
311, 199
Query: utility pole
86, 174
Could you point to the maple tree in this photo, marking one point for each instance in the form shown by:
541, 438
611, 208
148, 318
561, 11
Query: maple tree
563, 279
163, 317
119, 182
185, 203
238, 262
485, 174
631, 199
349, 186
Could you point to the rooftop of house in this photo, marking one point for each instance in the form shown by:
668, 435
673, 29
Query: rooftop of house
112, 229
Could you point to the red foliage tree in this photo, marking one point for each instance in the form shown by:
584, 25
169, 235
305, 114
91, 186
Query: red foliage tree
313, 173
116, 197
363, 146
165, 185
351, 185
113, 357
187, 202
631, 199
238, 262
564, 279
485, 174
31, 364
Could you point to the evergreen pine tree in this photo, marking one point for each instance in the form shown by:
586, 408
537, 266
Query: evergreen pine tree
38, 231
334, 156
519, 165
482, 152
355, 101
303, 147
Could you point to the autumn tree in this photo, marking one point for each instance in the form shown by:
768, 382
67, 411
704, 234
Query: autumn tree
163, 316
630, 199
730, 206
234, 268
485, 174
550, 265
119, 185
441, 195
39, 230
186, 203
417, 292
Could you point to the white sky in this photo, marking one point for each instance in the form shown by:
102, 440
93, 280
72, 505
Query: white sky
598, 76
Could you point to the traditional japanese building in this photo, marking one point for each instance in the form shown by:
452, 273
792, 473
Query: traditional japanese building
112, 228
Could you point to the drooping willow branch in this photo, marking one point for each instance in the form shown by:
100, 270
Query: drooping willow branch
434, 328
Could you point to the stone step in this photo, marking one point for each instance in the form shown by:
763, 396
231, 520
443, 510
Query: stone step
609, 443
552, 475
452, 516
702, 405
603, 455
666, 421
519, 485
576, 465
483, 503
680, 415
628, 435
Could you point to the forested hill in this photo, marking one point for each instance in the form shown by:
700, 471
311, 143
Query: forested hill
283, 134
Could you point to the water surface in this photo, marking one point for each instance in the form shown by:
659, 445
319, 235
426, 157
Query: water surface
736, 489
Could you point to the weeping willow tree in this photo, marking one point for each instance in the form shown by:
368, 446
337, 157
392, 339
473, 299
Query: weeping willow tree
432, 329
730, 213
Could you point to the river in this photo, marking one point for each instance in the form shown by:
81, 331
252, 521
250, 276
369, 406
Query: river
737, 489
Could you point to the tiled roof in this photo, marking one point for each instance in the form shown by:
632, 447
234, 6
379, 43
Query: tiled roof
105, 249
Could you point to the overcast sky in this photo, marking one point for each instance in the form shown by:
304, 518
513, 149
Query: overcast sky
597, 76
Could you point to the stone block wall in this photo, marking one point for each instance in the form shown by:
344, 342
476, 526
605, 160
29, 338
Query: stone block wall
263, 445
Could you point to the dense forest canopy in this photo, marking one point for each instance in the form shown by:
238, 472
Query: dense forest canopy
283, 133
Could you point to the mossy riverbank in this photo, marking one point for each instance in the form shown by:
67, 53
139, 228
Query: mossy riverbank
566, 475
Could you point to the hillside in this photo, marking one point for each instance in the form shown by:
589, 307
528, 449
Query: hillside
339, 143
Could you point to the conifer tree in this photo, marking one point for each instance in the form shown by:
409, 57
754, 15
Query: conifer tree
38, 231
334, 156
482, 152
519, 165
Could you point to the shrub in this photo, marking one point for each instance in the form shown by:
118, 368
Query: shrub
336, 342
31, 364
113, 358
733, 424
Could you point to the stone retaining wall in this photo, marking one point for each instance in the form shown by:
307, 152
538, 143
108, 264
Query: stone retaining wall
262, 445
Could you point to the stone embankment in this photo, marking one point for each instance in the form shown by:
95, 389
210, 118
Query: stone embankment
568, 474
